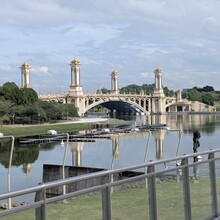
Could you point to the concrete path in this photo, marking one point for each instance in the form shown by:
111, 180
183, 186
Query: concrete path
83, 120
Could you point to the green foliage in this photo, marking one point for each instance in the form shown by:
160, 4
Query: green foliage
206, 95
205, 89
27, 96
194, 95
57, 111
146, 88
11, 92
103, 91
5, 107
208, 99
168, 92
21, 106
21, 155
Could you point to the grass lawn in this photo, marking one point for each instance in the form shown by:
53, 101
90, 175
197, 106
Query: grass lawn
132, 204
24, 131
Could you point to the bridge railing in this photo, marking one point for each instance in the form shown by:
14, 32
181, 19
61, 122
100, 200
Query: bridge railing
176, 188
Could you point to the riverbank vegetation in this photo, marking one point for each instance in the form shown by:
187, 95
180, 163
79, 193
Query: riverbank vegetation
32, 130
22, 106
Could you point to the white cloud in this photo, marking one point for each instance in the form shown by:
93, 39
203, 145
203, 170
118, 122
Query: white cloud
147, 75
44, 70
131, 36
6, 68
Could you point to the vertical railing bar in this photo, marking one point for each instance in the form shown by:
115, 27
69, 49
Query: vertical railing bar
152, 193
106, 200
186, 189
213, 187
40, 212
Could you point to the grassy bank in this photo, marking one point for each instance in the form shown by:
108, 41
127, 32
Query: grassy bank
132, 204
30, 130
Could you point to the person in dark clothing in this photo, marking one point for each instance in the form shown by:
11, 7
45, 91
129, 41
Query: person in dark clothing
196, 144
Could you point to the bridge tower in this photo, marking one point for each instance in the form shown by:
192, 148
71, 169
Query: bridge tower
114, 82
75, 95
158, 97
25, 75
75, 87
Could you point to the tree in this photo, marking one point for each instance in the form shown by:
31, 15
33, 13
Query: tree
168, 92
103, 91
194, 95
11, 91
208, 99
208, 89
27, 96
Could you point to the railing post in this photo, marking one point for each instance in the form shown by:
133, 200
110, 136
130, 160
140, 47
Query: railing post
152, 193
106, 201
40, 213
186, 189
214, 199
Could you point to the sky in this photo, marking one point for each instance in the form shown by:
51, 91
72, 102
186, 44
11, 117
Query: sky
133, 37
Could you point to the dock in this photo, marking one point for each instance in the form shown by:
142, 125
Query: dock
92, 136
72, 138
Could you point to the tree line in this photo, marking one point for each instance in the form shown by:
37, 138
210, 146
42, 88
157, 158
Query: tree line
206, 94
135, 89
22, 106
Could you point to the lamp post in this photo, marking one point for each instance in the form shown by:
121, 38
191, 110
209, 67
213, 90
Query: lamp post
64, 159
9, 166
146, 153
38, 118
13, 121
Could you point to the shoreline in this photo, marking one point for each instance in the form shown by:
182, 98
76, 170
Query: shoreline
19, 131
75, 121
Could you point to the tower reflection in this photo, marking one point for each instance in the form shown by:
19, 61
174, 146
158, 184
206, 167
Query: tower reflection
76, 149
115, 149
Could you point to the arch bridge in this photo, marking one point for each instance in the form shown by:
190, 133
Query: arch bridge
155, 103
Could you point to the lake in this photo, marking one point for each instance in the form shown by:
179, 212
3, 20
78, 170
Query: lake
119, 151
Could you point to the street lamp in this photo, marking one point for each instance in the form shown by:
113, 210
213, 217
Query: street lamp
38, 118
146, 153
10, 162
64, 160
13, 116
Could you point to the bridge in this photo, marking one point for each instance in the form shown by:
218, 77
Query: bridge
141, 104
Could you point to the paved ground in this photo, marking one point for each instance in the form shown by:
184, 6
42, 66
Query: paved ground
74, 121
84, 120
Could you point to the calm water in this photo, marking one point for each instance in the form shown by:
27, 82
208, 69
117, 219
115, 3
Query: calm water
120, 151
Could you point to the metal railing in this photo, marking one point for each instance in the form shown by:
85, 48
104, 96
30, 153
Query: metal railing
153, 170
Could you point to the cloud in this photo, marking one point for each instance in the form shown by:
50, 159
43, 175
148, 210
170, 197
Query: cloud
42, 70
131, 36
147, 75
6, 68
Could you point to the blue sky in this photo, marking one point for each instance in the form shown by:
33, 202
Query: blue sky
133, 37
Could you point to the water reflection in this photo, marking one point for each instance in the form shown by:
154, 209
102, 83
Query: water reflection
22, 155
27, 155
187, 122
121, 151
76, 149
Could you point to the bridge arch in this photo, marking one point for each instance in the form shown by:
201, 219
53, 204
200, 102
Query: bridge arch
118, 105
178, 106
